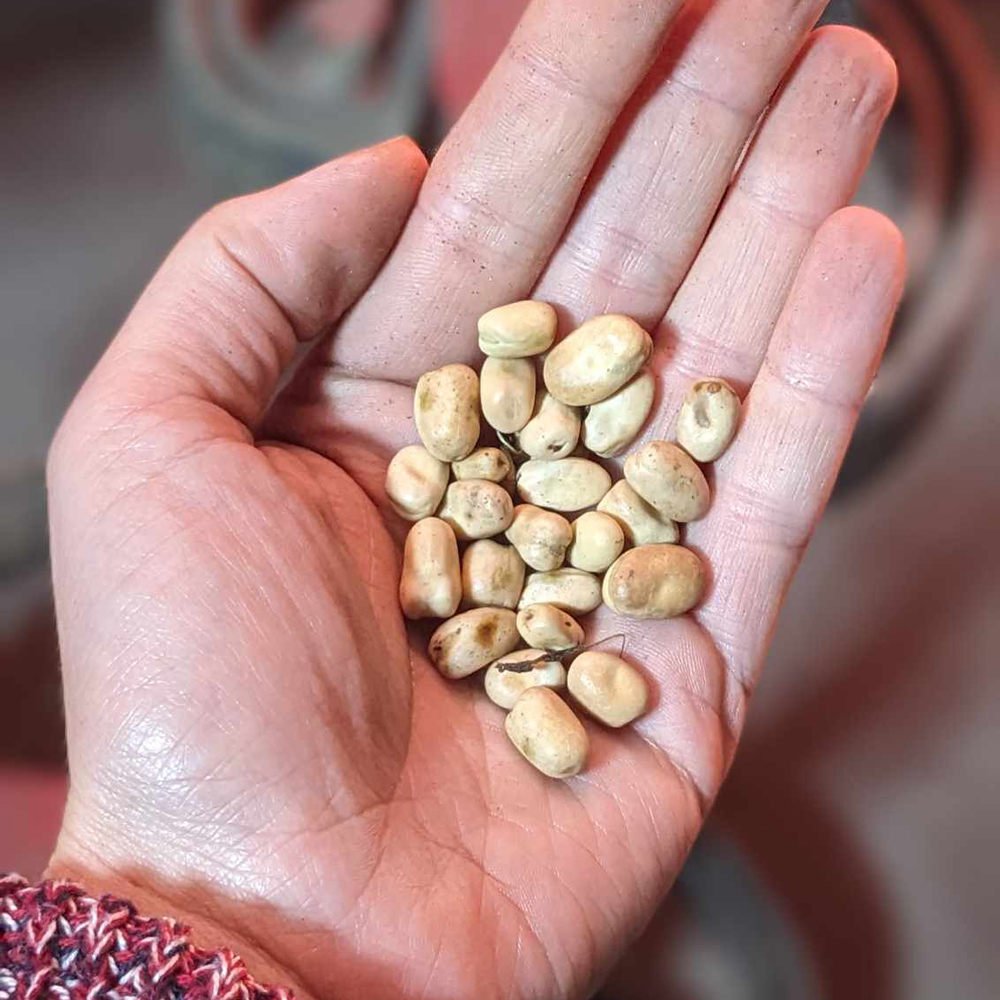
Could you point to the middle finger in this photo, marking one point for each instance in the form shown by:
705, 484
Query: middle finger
661, 178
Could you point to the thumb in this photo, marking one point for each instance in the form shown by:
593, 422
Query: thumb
250, 280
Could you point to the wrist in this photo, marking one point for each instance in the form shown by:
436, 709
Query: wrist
190, 925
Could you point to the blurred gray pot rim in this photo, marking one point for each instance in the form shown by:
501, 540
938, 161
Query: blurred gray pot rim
261, 105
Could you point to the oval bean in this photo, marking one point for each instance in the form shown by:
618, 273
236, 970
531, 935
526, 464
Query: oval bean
476, 508
598, 541
507, 393
573, 590
596, 360
541, 537
544, 626
415, 482
430, 585
654, 581
547, 733
641, 523
707, 421
567, 484
471, 640
446, 411
491, 464
666, 477
504, 687
517, 330
613, 424
610, 689
492, 575
553, 431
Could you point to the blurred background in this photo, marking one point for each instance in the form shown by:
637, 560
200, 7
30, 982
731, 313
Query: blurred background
853, 850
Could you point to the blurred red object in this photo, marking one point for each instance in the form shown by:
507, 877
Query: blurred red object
345, 21
33, 801
468, 37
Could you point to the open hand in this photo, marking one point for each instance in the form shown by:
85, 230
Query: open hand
257, 744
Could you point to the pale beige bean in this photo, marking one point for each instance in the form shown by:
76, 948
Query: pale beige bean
430, 585
476, 508
573, 590
610, 689
598, 541
507, 393
547, 733
504, 687
446, 411
492, 575
491, 464
541, 537
553, 431
707, 421
613, 424
665, 476
596, 360
567, 484
517, 330
654, 581
415, 482
471, 640
641, 523
544, 626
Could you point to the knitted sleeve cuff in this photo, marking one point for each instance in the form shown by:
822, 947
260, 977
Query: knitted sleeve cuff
56, 941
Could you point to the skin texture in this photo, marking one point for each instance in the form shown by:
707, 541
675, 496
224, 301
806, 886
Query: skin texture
257, 745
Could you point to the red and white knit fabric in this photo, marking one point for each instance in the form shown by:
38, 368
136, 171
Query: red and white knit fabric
58, 942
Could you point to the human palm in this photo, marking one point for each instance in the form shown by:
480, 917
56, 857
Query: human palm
257, 742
